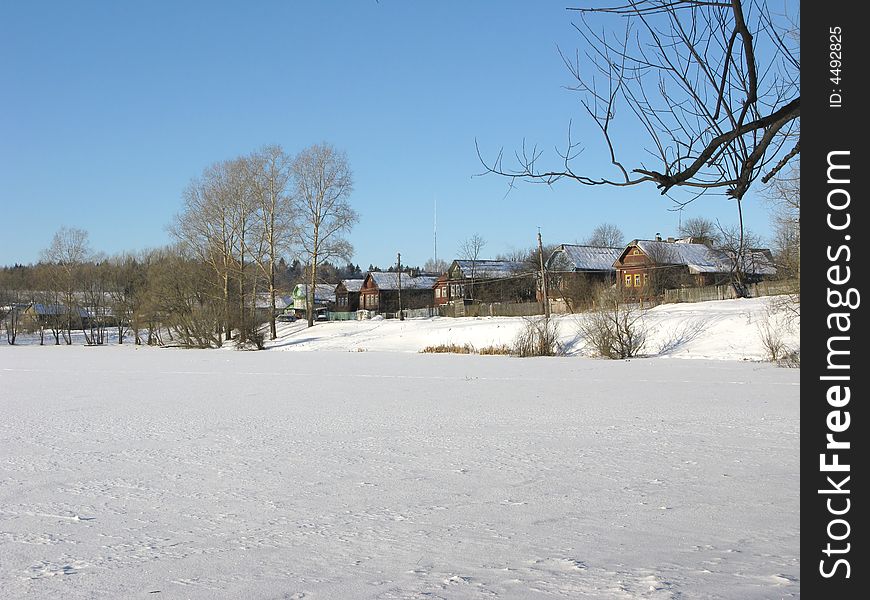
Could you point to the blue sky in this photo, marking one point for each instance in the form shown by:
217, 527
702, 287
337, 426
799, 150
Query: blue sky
110, 108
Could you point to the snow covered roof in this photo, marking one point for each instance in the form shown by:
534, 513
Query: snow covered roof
703, 259
352, 285
323, 292
759, 262
57, 309
490, 269
698, 257
390, 281
281, 301
586, 258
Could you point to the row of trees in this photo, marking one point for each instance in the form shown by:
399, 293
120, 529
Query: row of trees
240, 219
241, 216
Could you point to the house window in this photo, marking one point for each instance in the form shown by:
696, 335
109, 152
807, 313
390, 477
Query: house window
627, 280
636, 251
646, 278
637, 280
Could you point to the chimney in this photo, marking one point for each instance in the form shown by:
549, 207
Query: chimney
658, 237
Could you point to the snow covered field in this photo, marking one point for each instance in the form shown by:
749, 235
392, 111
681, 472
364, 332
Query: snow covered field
161, 473
727, 329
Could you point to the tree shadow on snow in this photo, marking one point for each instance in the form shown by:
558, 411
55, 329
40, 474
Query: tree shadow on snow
684, 333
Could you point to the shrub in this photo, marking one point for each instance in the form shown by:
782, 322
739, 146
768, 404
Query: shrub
779, 320
539, 337
614, 329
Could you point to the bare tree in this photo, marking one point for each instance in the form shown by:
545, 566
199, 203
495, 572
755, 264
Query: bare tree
127, 286
323, 184
207, 229
738, 245
13, 300
470, 250
68, 251
702, 230
607, 235
435, 266
95, 300
240, 195
713, 85
272, 175
784, 196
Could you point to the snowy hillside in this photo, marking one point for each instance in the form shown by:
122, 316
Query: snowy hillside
727, 329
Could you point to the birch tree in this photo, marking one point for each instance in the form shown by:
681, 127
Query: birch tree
272, 177
323, 184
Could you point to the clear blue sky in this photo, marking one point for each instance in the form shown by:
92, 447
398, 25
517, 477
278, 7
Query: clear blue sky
110, 108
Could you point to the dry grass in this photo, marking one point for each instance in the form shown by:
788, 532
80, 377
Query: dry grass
449, 349
500, 349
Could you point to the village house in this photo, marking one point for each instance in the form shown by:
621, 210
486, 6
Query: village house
324, 297
380, 292
489, 281
263, 304
574, 272
645, 268
347, 295
56, 315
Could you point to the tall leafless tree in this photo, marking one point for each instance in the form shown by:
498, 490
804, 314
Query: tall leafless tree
470, 250
67, 253
323, 184
713, 85
607, 235
272, 179
701, 229
208, 229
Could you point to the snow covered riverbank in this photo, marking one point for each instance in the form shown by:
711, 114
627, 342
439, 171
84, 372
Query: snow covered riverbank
727, 329
162, 473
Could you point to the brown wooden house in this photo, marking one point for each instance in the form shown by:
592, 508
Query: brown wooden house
380, 292
490, 281
645, 268
347, 295
575, 272
442, 290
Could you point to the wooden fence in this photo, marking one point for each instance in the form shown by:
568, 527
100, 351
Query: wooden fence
726, 292
500, 309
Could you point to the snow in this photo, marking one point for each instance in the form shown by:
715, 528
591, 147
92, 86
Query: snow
727, 329
587, 258
162, 473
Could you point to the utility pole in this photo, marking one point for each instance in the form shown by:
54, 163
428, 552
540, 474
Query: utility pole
543, 277
399, 271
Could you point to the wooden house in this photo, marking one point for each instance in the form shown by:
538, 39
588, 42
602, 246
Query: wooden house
442, 290
380, 292
324, 297
645, 268
347, 295
490, 281
263, 304
575, 271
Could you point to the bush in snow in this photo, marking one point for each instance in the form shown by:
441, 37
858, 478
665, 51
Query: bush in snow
539, 337
778, 322
614, 329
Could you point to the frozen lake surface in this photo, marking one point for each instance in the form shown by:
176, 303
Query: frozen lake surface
159, 473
